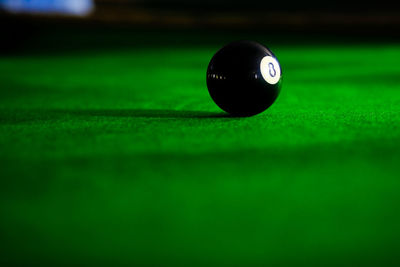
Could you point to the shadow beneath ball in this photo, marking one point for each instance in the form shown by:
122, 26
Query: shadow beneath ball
37, 115
148, 113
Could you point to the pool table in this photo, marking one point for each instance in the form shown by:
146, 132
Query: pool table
113, 153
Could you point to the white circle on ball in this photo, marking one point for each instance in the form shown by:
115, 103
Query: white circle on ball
270, 70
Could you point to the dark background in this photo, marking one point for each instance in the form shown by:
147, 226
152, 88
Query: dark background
340, 5
345, 21
124, 22
368, 16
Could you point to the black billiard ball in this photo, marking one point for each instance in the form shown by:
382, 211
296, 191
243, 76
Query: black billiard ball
244, 78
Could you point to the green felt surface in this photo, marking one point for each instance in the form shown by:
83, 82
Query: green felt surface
119, 156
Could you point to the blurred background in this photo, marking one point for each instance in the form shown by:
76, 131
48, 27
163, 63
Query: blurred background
23, 19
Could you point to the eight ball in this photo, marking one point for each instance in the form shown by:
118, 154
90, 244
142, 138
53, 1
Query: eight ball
244, 78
